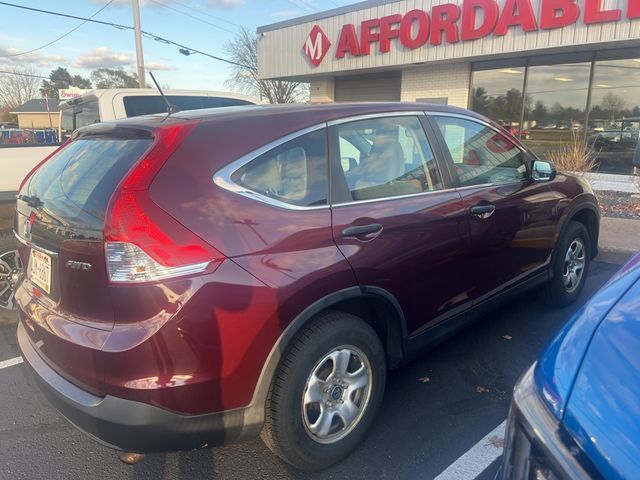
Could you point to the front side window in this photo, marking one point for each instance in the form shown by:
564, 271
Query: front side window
480, 154
386, 157
294, 173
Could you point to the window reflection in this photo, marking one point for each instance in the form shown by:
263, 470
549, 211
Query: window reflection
614, 120
556, 103
498, 95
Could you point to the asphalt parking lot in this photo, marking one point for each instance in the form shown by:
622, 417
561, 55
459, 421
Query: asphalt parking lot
435, 410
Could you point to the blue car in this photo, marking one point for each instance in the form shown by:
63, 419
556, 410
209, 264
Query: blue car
576, 412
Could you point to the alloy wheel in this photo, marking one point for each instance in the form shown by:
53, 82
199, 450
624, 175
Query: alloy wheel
574, 263
336, 394
10, 273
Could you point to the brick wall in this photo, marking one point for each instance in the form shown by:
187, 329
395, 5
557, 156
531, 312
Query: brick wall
437, 81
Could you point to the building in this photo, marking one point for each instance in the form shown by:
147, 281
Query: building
38, 114
544, 68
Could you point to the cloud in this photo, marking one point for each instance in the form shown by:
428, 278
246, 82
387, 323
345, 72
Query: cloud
103, 57
286, 13
33, 58
158, 66
224, 4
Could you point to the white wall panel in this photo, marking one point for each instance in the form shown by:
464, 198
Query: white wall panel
281, 51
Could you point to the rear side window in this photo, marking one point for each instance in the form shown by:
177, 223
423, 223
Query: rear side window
81, 178
294, 173
147, 105
386, 157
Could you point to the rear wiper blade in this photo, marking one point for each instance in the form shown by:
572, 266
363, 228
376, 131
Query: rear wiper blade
32, 201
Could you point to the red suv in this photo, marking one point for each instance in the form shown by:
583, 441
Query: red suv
200, 278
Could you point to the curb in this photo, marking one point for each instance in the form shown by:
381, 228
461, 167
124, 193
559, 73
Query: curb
618, 256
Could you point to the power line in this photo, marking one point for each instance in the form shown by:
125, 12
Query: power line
192, 16
60, 37
188, 7
125, 27
4, 72
307, 4
48, 12
301, 6
190, 50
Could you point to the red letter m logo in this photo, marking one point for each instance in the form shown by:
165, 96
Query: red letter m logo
316, 46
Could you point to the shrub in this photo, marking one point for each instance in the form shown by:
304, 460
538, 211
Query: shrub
574, 156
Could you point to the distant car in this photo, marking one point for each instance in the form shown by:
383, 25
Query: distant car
194, 279
621, 136
8, 125
515, 131
114, 103
576, 412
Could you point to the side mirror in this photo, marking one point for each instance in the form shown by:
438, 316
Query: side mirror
543, 171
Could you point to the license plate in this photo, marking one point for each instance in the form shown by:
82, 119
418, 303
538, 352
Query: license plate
40, 270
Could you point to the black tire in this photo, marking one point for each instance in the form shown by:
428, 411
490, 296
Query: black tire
285, 432
556, 293
8, 243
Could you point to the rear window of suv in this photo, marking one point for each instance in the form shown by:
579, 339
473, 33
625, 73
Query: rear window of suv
78, 181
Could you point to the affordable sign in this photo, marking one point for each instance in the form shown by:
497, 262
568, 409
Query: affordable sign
452, 23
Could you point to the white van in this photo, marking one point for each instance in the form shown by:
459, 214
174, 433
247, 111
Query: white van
111, 104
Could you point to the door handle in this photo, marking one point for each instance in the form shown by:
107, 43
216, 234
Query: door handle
360, 230
482, 211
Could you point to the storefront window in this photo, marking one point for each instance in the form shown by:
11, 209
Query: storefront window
498, 95
556, 100
614, 120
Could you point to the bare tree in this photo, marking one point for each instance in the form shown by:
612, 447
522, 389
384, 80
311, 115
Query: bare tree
18, 86
613, 104
243, 50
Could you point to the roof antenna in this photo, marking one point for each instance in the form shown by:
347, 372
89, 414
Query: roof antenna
171, 109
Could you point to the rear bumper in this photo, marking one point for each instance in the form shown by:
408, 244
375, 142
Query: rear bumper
129, 425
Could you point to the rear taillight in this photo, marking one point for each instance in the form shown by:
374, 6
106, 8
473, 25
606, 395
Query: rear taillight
42, 162
143, 242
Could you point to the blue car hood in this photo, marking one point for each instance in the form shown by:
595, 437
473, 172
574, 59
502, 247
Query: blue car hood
589, 376
557, 367
603, 411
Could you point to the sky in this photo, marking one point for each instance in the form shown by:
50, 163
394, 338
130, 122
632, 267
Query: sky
204, 25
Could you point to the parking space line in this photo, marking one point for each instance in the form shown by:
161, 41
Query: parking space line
11, 362
478, 458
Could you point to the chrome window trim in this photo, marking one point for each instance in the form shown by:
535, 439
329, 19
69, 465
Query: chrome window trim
483, 185
395, 197
373, 116
222, 177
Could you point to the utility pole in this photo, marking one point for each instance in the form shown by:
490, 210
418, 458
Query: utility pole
136, 28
